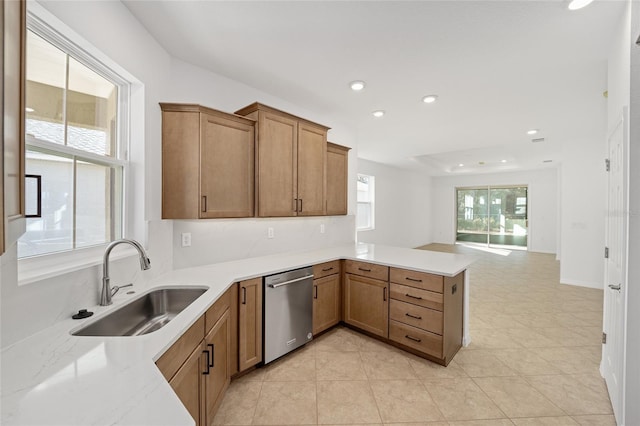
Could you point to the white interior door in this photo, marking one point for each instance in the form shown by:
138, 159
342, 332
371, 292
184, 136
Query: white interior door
612, 367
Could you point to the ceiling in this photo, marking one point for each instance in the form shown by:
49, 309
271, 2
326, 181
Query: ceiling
500, 68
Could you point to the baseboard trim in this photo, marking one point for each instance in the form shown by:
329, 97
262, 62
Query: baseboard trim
579, 283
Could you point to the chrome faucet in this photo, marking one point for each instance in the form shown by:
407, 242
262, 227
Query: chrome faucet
107, 291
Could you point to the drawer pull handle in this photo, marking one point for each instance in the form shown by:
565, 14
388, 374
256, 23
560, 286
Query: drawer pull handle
413, 279
412, 338
213, 359
207, 363
327, 269
413, 316
315, 287
364, 270
413, 297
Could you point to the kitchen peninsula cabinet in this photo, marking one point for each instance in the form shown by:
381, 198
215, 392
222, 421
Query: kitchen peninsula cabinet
249, 323
326, 296
291, 155
426, 312
366, 297
13, 16
207, 163
337, 179
197, 365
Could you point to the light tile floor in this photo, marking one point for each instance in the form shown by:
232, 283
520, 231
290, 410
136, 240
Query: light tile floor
533, 360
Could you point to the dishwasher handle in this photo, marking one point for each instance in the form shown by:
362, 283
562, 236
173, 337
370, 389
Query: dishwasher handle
306, 277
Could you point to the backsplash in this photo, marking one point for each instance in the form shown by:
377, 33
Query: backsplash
222, 240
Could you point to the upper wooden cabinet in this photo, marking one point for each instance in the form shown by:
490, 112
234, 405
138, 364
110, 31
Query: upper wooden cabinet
337, 178
12, 60
207, 163
291, 158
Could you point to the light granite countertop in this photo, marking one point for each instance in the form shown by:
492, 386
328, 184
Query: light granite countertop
54, 378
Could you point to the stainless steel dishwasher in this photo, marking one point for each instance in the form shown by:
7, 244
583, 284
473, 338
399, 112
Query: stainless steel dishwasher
288, 312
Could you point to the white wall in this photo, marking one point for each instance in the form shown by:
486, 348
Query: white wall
583, 204
402, 206
632, 379
543, 204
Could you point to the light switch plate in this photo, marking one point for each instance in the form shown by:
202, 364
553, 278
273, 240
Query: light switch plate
186, 239
270, 232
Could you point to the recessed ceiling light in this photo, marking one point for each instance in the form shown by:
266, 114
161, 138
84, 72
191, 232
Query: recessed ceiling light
429, 99
379, 113
532, 132
579, 4
503, 161
27, 109
357, 85
460, 165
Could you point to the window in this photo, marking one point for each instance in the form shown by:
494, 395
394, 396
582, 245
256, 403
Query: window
366, 208
76, 135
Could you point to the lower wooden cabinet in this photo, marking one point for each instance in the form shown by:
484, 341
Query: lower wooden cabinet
217, 357
366, 304
187, 384
197, 365
249, 323
326, 302
425, 313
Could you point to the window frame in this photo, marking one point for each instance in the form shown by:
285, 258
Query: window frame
371, 203
47, 265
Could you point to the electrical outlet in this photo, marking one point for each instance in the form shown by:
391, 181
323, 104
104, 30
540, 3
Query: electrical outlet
270, 233
322, 228
186, 239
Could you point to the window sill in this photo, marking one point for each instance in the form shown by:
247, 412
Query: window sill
39, 268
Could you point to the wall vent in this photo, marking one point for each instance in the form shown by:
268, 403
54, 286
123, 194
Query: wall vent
536, 140
547, 161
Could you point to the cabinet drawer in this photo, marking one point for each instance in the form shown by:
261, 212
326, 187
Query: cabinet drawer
177, 354
365, 269
216, 310
325, 269
417, 316
428, 299
416, 338
422, 280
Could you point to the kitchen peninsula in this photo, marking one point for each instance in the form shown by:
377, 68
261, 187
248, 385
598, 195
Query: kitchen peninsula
53, 377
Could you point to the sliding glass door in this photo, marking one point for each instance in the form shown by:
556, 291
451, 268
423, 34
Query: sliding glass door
492, 215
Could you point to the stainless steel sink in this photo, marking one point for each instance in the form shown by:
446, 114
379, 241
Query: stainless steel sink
144, 315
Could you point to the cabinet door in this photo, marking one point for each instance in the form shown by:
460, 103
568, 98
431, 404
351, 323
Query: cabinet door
277, 175
326, 302
367, 304
312, 151
226, 168
187, 384
337, 172
250, 323
217, 344
13, 16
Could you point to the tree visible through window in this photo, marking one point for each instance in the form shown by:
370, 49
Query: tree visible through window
366, 208
73, 138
